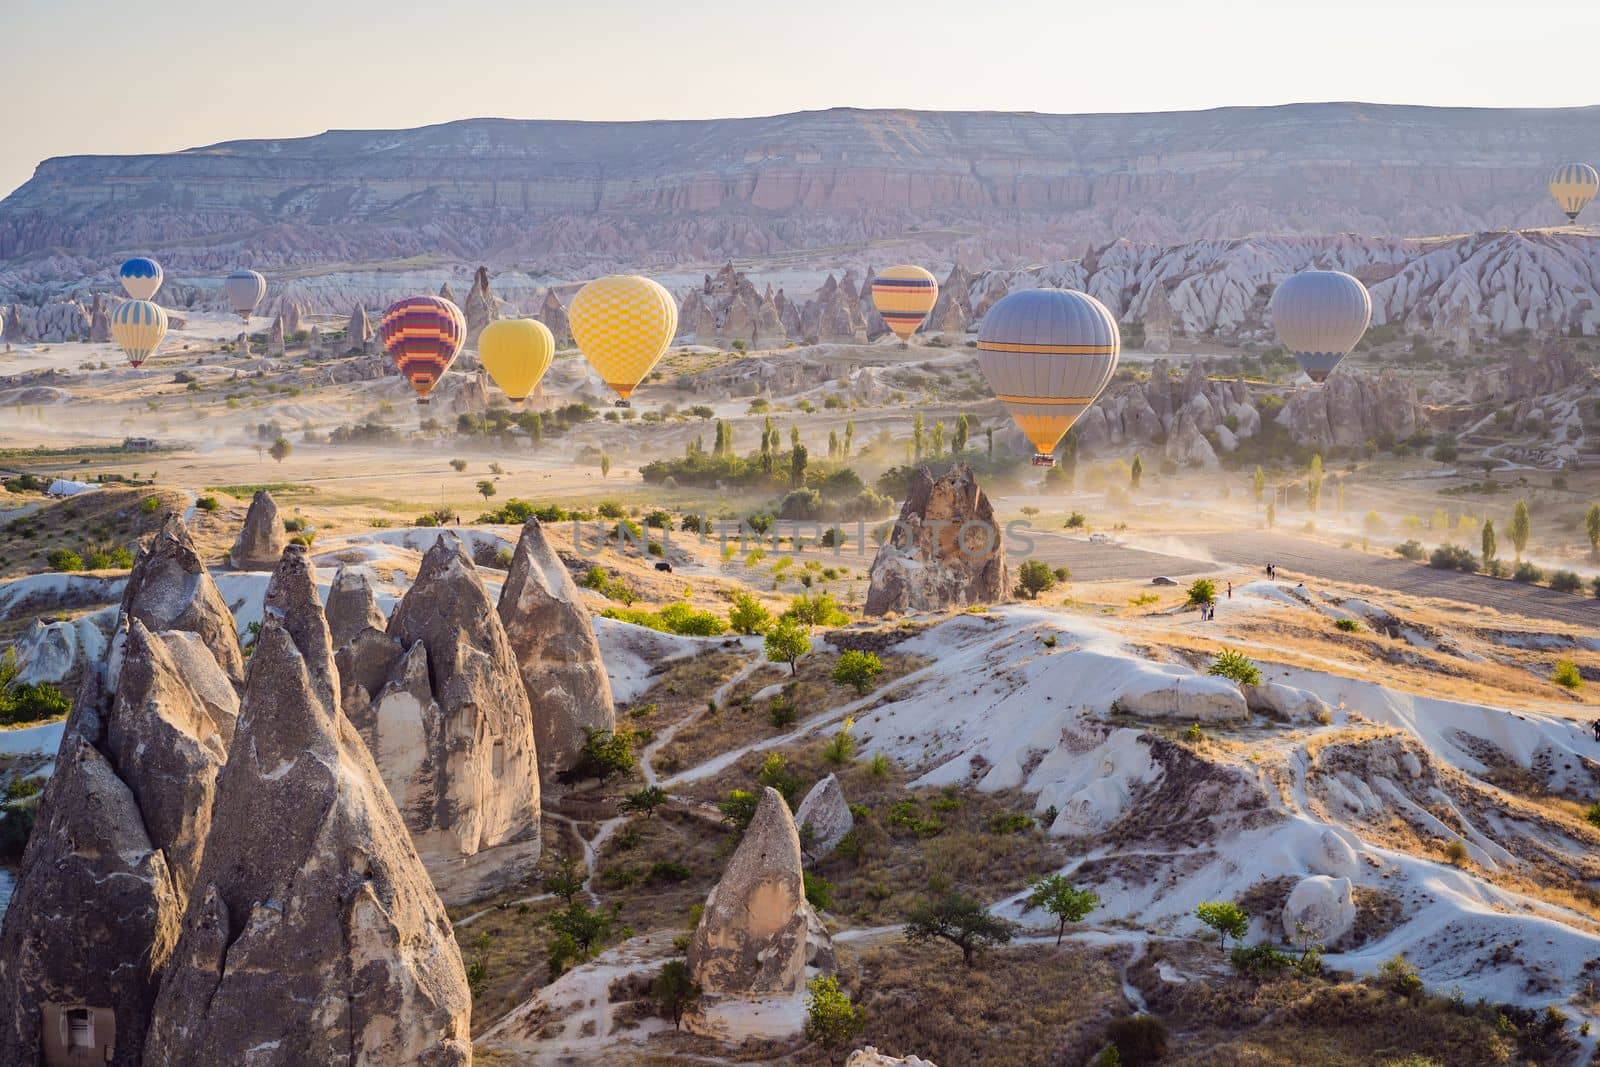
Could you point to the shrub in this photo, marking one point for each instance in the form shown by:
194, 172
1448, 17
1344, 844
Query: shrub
645, 801
673, 619
1455, 851
1139, 1039
819, 891
818, 609
1399, 975
1349, 626
831, 1020
857, 669
1411, 550
1202, 591
606, 754
1453, 558
1235, 665
674, 990
1010, 822
841, 748
1034, 577
1226, 918
782, 711
1566, 582
64, 559
207, 503
748, 616
739, 808
149, 505
1527, 572
1567, 676
1259, 961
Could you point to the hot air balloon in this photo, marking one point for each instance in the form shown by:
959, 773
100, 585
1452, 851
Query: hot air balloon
623, 324
138, 326
140, 277
1574, 185
244, 290
904, 295
423, 335
1319, 316
516, 353
1048, 354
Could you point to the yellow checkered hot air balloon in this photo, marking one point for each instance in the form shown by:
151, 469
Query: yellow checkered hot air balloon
138, 326
904, 295
516, 353
623, 325
1048, 354
1573, 185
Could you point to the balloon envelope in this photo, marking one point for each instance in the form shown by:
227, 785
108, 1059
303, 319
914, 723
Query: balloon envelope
140, 277
516, 353
1048, 354
423, 335
244, 290
138, 326
623, 324
904, 295
1573, 186
1319, 316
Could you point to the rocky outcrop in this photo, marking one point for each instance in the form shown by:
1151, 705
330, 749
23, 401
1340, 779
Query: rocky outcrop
1350, 409
871, 1057
99, 321
276, 337
1319, 909
554, 315
449, 294
481, 307
358, 331
313, 934
728, 308
556, 651
262, 539
170, 589
123, 822
352, 605
945, 550
833, 317
949, 314
751, 940
1286, 703
439, 700
1178, 694
824, 817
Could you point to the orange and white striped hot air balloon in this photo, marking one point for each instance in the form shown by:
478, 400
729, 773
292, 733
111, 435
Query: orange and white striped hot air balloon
904, 295
423, 335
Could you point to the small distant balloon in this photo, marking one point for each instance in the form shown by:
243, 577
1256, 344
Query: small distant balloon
623, 325
422, 335
244, 289
1573, 185
516, 353
138, 326
141, 277
1320, 315
1048, 354
904, 295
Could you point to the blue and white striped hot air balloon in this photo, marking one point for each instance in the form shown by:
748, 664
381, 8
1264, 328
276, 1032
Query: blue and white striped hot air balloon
141, 277
1320, 315
1573, 185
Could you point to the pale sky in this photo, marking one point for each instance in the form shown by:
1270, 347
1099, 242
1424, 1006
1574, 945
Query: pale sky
114, 76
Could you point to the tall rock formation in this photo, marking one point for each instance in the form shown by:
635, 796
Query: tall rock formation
945, 550
554, 315
556, 650
440, 703
751, 940
1158, 320
481, 307
170, 589
122, 824
358, 331
833, 317
276, 336
876, 327
352, 605
99, 321
313, 934
262, 539
449, 294
949, 314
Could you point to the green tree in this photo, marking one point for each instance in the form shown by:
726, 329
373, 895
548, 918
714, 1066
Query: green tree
606, 754
1591, 526
816, 609
1258, 484
645, 801
958, 442
1521, 528
1034, 577
952, 916
1235, 665
1487, 540
458, 465
831, 1020
280, 449
849, 436
675, 991
1058, 896
1202, 591
486, 487
1226, 918
857, 669
605, 464
916, 436
1314, 484
580, 932
748, 616
1272, 513
786, 642
797, 466
565, 880
833, 444
938, 438
1136, 471
988, 434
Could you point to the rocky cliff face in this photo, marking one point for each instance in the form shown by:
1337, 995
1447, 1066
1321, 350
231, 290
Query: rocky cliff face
727, 309
556, 650
123, 822
440, 702
262, 539
1031, 185
945, 550
313, 934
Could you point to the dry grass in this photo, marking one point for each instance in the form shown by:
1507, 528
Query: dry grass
637, 868
110, 517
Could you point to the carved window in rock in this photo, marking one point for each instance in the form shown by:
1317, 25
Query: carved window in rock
498, 758
79, 1025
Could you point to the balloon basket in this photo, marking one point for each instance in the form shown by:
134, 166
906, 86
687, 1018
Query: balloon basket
624, 403
1043, 459
422, 401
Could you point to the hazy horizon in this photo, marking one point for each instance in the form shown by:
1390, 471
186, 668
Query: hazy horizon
210, 75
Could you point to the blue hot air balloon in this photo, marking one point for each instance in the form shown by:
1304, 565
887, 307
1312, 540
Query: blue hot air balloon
141, 277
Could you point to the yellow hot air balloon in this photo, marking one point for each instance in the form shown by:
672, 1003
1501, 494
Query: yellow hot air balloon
1048, 354
516, 353
623, 325
138, 326
904, 295
1573, 185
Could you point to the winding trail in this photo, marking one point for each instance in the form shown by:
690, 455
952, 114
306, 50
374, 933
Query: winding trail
719, 697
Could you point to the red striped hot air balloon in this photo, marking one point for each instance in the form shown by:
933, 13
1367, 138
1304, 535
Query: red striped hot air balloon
423, 335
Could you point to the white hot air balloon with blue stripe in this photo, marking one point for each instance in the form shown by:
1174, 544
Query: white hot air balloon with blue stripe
1048, 354
141, 277
1320, 315
1573, 185
244, 289
138, 326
